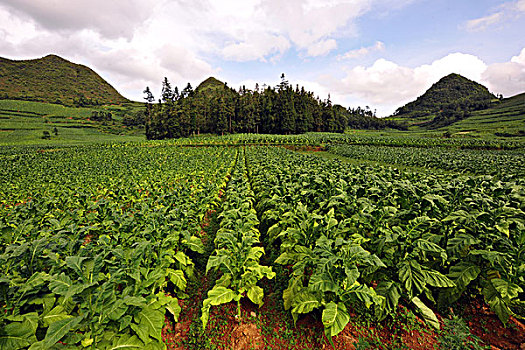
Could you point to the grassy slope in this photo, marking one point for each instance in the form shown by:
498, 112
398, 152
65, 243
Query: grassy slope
23, 122
53, 79
506, 117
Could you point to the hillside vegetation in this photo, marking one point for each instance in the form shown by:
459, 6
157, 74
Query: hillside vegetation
506, 119
453, 105
28, 122
53, 79
451, 99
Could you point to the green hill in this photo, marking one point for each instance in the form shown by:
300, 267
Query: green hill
449, 100
53, 79
212, 89
210, 85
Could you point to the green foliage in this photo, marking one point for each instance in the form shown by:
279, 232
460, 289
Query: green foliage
53, 79
23, 122
425, 238
216, 108
97, 255
237, 252
456, 335
501, 163
99, 243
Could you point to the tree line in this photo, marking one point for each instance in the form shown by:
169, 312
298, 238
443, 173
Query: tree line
218, 109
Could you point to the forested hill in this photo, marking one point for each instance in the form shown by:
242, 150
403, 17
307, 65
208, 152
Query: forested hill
213, 107
449, 100
53, 79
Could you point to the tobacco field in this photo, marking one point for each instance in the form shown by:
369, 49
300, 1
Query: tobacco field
161, 245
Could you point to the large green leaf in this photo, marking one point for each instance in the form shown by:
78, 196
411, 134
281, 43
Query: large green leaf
426, 312
507, 290
220, 295
256, 294
435, 199
216, 296
58, 313
182, 258
367, 295
215, 261
116, 310
60, 284
304, 302
496, 302
390, 291
437, 279
335, 318
75, 263
413, 278
503, 227
174, 308
56, 331
457, 246
431, 248
17, 335
194, 243
126, 342
148, 323
294, 286
322, 282
177, 278
464, 273
34, 282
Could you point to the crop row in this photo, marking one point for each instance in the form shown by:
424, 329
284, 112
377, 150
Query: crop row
238, 247
501, 163
370, 238
362, 138
97, 243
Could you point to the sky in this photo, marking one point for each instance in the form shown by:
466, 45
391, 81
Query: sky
376, 53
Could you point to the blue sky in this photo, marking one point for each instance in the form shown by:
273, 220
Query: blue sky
380, 53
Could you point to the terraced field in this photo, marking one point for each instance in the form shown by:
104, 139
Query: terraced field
24, 122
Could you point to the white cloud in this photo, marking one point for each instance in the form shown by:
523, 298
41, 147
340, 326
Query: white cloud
112, 19
363, 51
322, 47
507, 78
310, 24
484, 22
259, 46
184, 62
467, 65
520, 58
506, 11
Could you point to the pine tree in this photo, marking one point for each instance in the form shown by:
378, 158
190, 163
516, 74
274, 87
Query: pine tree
187, 91
167, 93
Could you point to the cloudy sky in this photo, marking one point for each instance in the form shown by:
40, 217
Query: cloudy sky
380, 53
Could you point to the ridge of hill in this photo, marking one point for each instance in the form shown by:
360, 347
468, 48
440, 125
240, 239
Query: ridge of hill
53, 79
209, 85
